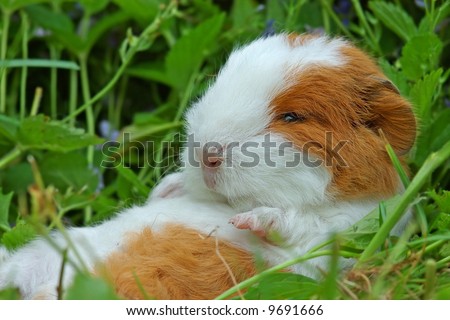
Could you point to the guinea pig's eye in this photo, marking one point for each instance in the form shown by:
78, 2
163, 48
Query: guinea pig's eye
292, 117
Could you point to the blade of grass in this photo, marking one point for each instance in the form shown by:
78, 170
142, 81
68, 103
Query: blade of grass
4, 48
308, 256
372, 40
24, 75
430, 279
433, 161
38, 63
420, 213
326, 5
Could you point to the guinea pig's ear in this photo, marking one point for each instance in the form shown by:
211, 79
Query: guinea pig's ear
391, 113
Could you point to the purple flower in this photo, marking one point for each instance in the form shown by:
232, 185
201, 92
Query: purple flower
270, 29
107, 131
343, 7
420, 3
101, 182
447, 102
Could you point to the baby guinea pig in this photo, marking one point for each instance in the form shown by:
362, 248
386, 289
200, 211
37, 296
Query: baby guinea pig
285, 144
290, 135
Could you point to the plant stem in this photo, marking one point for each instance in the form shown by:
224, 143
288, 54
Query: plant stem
430, 279
12, 155
90, 119
24, 75
4, 47
433, 161
420, 213
336, 19
309, 255
362, 18
36, 101
87, 99
120, 101
73, 95
148, 35
55, 55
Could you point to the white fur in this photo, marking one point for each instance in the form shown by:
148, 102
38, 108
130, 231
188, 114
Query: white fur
236, 108
35, 268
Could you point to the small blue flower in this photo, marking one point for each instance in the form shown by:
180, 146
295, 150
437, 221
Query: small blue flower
270, 29
343, 7
107, 131
420, 3
101, 182
447, 102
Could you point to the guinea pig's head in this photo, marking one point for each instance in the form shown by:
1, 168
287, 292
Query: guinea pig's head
297, 120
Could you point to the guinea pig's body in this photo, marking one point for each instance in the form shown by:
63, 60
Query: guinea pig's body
284, 149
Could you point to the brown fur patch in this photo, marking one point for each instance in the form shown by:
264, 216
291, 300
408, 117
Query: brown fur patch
176, 263
295, 39
353, 103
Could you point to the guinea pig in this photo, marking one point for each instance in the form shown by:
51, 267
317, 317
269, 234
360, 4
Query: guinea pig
284, 148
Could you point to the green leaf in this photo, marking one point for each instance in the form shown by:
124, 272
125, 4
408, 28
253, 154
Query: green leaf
10, 294
60, 26
243, 13
8, 129
93, 6
18, 236
13, 5
57, 22
358, 236
147, 118
395, 18
442, 200
141, 10
276, 10
443, 293
88, 287
39, 132
131, 177
423, 94
444, 251
153, 71
5, 201
420, 55
188, 53
17, 178
433, 136
68, 170
429, 22
280, 286
102, 26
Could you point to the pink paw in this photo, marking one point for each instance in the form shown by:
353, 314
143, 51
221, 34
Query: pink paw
262, 221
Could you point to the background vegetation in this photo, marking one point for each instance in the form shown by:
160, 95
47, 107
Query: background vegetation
74, 74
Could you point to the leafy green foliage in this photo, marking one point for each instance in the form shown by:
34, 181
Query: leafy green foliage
395, 18
18, 236
86, 287
40, 132
415, 60
186, 56
5, 201
10, 294
280, 286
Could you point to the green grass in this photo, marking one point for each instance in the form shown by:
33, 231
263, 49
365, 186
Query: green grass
71, 72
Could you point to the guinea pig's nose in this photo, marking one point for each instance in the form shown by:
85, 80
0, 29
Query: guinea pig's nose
212, 156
